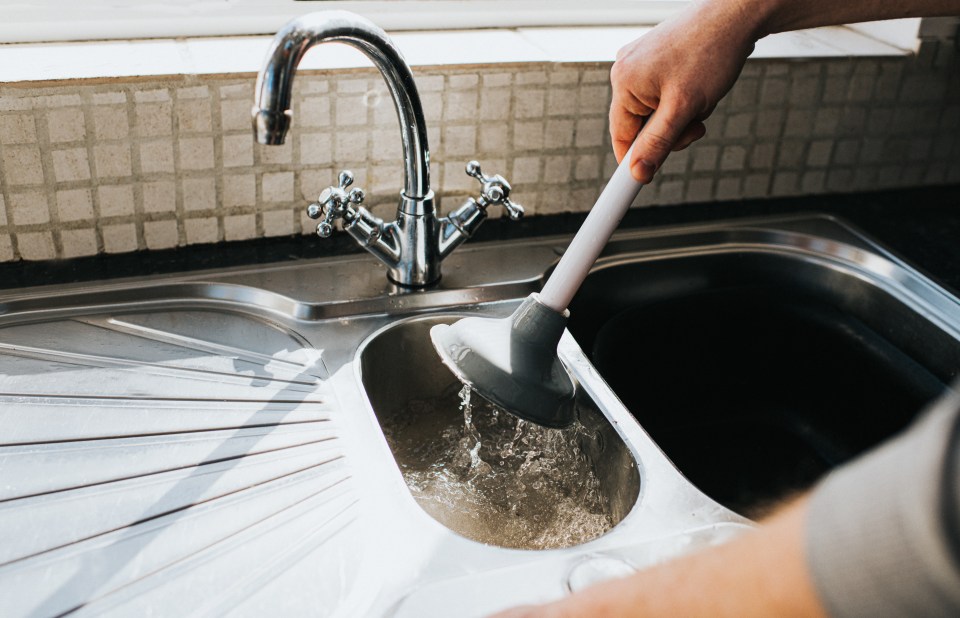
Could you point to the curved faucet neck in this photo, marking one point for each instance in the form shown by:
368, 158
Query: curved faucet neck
271, 112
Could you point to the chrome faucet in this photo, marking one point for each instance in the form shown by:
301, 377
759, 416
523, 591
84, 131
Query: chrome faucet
413, 246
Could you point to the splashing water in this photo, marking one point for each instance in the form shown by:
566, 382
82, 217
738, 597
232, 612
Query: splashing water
498, 479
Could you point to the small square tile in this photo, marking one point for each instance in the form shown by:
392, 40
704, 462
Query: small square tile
115, 200
201, 231
237, 150
738, 125
460, 105
559, 133
813, 181
525, 170
235, 115
18, 129
530, 77
818, 155
564, 77
156, 156
493, 138
239, 227
470, 80
110, 122
36, 245
460, 141
77, 243
312, 112
277, 187
239, 190
351, 146
75, 205
72, 164
161, 234
109, 98
154, 119
594, 100
148, 96
278, 223
315, 149
496, 80
112, 160
193, 116
351, 111
561, 102
529, 103
705, 158
591, 132
728, 188
199, 193
66, 125
29, 208
196, 153
21, 166
587, 167
119, 238
700, 190
528, 136
557, 169
756, 185
159, 196
243, 90
733, 158
495, 104
195, 92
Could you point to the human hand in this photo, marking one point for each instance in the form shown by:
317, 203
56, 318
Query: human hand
680, 69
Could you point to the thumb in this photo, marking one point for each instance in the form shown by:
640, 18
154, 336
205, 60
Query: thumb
657, 138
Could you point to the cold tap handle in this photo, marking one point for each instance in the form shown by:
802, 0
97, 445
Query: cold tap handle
494, 190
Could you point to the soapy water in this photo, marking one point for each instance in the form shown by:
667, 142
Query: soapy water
498, 479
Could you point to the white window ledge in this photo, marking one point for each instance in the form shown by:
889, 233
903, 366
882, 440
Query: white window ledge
46, 62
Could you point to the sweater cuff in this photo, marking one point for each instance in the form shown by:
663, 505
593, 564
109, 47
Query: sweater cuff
881, 532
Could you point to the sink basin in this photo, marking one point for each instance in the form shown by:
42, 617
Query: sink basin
757, 371
399, 369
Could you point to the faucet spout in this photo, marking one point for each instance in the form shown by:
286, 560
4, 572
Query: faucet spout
271, 110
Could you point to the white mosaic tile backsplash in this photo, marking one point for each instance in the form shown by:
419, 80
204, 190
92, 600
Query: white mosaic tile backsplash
123, 166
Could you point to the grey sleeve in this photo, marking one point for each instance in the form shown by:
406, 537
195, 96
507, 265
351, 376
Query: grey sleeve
883, 532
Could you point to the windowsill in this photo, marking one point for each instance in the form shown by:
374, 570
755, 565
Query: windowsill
28, 64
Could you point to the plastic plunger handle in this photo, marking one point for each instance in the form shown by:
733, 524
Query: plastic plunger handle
586, 246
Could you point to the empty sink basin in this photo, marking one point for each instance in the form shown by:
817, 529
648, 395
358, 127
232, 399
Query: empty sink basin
758, 370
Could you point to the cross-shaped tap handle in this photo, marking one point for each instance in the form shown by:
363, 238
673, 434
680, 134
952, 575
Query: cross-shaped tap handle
335, 203
494, 190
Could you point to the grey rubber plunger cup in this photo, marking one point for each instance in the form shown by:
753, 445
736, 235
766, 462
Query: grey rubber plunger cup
513, 362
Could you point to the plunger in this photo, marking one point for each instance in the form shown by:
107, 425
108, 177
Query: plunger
513, 361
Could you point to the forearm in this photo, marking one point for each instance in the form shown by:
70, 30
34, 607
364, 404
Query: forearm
762, 573
784, 15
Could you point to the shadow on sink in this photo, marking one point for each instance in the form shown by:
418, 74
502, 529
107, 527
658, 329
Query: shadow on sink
758, 372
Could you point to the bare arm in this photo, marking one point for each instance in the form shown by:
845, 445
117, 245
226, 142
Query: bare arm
762, 573
683, 67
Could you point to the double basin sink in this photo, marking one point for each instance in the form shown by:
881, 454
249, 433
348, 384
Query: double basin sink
213, 440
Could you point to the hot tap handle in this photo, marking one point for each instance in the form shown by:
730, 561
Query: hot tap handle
494, 190
335, 203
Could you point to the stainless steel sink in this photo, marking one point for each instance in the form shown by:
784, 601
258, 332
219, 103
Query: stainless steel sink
210, 442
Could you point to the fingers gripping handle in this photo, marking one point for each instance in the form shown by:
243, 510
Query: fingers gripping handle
592, 237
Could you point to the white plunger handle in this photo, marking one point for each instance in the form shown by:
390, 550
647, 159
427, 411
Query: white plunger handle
586, 246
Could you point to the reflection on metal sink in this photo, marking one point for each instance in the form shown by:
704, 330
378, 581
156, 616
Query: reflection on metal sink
758, 368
